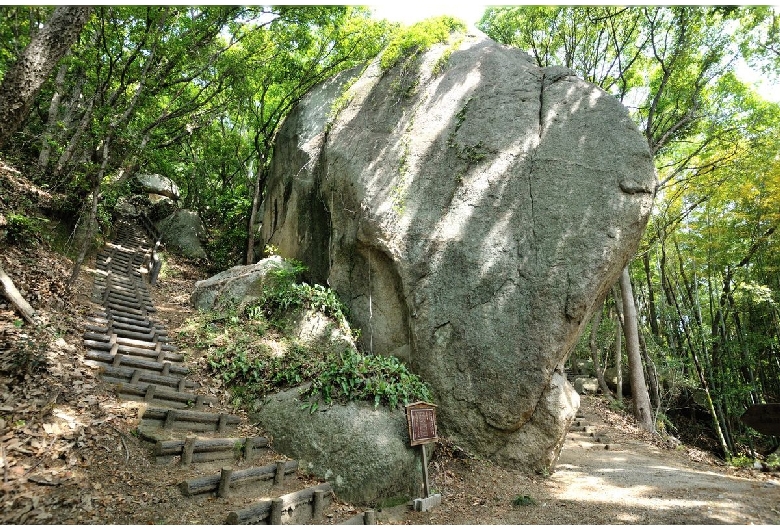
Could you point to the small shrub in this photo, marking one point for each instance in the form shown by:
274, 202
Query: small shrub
523, 500
419, 37
23, 230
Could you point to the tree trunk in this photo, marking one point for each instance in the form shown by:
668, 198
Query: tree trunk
256, 198
13, 295
641, 399
25, 78
652, 376
594, 354
618, 345
51, 122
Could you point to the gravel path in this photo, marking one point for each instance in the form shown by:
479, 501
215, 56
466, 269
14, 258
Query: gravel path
631, 482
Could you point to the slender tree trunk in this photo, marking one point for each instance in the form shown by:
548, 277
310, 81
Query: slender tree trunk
24, 79
51, 122
641, 399
594, 354
618, 345
652, 379
92, 222
256, 198
652, 312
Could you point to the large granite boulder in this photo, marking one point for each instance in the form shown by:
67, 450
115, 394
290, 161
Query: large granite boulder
236, 286
470, 216
155, 184
362, 451
182, 231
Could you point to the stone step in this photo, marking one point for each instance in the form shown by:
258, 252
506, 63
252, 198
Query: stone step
196, 450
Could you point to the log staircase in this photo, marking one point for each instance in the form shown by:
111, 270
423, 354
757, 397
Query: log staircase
189, 433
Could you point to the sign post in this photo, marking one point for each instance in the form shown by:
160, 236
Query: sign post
421, 421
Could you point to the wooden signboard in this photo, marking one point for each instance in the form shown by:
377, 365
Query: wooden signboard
421, 420
763, 418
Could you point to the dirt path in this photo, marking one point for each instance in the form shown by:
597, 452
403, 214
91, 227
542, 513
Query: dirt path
632, 482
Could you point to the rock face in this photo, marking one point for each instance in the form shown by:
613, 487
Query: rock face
158, 185
470, 219
182, 231
363, 452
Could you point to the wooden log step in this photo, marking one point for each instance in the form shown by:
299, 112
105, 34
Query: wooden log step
195, 421
126, 334
118, 280
114, 316
209, 450
122, 374
210, 483
104, 323
161, 356
133, 362
128, 285
102, 338
261, 512
119, 322
150, 392
139, 298
126, 309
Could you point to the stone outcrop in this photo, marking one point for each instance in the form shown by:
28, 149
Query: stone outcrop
361, 451
154, 184
182, 232
237, 286
470, 216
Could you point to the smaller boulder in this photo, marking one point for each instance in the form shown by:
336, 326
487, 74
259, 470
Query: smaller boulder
182, 232
362, 451
586, 385
157, 185
238, 285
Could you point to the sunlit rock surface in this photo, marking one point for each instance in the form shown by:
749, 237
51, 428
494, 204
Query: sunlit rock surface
470, 219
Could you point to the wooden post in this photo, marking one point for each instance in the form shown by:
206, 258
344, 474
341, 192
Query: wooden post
149, 396
276, 511
279, 477
222, 426
170, 419
369, 517
318, 504
135, 377
249, 448
224, 482
426, 487
189, 448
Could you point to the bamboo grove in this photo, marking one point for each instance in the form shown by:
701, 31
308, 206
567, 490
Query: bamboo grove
198, 94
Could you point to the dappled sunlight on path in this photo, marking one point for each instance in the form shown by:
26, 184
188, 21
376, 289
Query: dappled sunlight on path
640, 483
